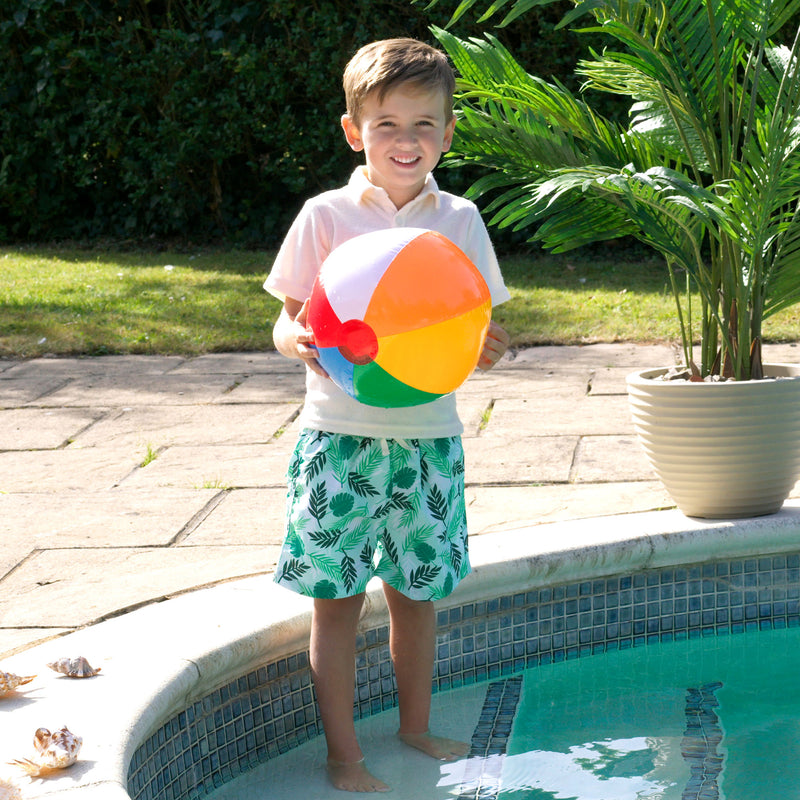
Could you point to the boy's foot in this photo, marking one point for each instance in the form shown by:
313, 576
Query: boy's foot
354, 777
436, 747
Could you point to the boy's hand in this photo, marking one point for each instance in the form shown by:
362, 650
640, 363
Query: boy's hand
293, 338
496, 344
306, 348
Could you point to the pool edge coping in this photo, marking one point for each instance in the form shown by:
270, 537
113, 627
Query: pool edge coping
176, 651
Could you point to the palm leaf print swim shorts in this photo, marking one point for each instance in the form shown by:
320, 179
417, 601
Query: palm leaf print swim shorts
363, 507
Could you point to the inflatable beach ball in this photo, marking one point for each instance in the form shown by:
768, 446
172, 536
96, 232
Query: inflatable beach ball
399, 316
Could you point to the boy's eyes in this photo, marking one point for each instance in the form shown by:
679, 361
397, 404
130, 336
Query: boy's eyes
389, 124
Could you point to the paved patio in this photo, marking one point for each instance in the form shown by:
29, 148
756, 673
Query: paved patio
128, 480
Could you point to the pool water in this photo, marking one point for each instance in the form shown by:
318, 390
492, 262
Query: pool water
701, 719
705, 718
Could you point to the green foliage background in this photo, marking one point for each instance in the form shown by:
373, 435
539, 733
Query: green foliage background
195, 119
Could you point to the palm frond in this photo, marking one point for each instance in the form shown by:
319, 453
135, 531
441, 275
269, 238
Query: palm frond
758, 20
518, 9
707, 171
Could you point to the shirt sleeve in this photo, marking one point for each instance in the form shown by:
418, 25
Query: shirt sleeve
481, 253
301, 254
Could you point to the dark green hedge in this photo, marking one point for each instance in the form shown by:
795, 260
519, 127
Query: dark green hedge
196, 119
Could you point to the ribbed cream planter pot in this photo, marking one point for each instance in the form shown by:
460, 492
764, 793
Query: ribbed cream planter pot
725, 449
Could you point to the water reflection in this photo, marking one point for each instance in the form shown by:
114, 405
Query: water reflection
618, 769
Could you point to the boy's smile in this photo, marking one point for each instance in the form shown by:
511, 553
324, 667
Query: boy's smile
402, 137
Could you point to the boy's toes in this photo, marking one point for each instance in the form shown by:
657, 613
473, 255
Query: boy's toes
354, 777
437, 747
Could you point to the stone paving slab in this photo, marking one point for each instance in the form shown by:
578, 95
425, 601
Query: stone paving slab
785, 353
595, 356
130, 389
14, 640
15, 391
281, 387
91, 469
162, 426
489, 508
244, 516
610, 459
216, 466
512, 458
269, 362
528, 383
115, 518
610, 381
556, 415
54, 589
12, 554
474, 411
74, 368
42, 429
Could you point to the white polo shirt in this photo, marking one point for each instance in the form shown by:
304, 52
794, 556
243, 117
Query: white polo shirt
328, 220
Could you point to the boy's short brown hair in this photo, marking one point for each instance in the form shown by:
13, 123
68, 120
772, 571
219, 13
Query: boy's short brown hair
383, 65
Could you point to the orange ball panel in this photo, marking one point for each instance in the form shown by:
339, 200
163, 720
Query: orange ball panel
440, 278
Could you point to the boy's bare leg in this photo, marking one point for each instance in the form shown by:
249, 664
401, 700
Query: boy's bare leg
413, 646
333, 641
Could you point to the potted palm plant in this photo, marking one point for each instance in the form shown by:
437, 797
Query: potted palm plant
706, 171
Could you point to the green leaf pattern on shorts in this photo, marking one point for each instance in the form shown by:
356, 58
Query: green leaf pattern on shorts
342, 504
325, 564
353, 501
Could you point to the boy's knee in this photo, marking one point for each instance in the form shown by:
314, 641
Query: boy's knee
339, 607
399, 600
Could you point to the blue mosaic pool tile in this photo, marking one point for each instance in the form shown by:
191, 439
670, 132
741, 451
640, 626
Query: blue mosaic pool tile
490, 739
226, 733
701, 742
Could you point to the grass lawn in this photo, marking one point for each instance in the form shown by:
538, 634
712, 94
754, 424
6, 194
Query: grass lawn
69, 301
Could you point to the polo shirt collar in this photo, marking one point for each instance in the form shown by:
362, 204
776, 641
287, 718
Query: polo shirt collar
363, 190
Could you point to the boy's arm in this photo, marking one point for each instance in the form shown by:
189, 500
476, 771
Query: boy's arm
292, 338
496, 344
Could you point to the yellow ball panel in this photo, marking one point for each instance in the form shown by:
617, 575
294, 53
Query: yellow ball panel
437, 358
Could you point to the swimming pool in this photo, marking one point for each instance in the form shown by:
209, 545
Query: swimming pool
534, 604
695, 719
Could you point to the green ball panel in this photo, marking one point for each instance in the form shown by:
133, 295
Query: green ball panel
374, 386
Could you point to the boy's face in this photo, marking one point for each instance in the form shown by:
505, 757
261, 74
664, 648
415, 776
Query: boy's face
403, 138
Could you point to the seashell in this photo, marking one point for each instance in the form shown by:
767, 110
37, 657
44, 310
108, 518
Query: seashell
74, 667
53, 751
9, 682
8, 791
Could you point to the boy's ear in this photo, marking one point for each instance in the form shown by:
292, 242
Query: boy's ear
352, 133
448, 134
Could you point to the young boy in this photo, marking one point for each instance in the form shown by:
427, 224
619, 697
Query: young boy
399, 113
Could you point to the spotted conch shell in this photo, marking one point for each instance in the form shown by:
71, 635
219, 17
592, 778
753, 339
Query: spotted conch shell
8, 791
53, 751
74, 667
9, 682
